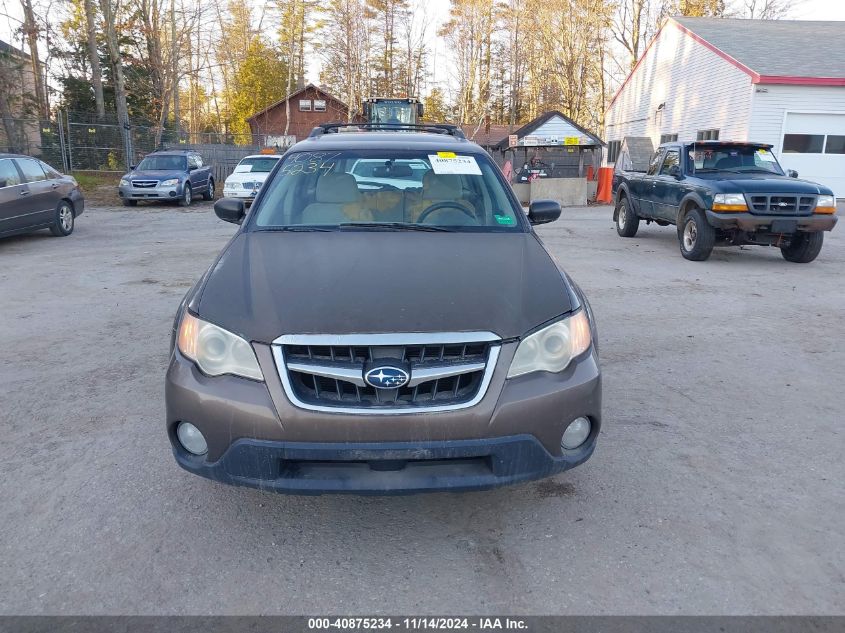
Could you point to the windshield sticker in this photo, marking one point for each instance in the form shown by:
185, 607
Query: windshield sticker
457, 165
505, 220
447, 154
766, 155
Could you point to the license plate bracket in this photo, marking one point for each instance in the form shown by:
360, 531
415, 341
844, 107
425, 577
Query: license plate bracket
784, 226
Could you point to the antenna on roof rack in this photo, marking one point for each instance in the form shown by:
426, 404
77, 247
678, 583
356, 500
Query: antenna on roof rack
437, 128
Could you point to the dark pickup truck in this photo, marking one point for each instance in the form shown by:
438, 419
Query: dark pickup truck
176, 175
725, 194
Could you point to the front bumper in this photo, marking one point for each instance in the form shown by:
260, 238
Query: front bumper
258, 438
752, 223
150, 193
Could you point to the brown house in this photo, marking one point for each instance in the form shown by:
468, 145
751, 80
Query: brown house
309, 107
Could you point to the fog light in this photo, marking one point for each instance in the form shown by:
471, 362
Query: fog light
576, 433
192, 439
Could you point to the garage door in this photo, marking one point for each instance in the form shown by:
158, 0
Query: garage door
814, 146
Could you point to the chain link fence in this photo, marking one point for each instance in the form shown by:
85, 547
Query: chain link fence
75, 141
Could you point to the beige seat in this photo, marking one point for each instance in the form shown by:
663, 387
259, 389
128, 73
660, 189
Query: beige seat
436, 188
337, 200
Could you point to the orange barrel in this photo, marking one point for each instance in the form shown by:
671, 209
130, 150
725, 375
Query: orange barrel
604, 191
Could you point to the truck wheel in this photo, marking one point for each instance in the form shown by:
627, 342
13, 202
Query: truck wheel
697, 237
209, 192
803, 248
627, 222
63, 223
187, 196
130, 203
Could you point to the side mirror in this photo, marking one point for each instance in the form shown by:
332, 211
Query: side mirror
3, 183
230, 210
543, 211
792, 173
675, 171
132, 167
420, 110
192, 167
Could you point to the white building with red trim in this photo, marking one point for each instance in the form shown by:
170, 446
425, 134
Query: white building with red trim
780, 82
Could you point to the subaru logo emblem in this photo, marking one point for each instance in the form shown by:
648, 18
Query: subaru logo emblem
387, 377
783, 204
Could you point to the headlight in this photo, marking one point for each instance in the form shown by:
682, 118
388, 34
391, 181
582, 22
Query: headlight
172, 182
729, 202
124, 182
216, 351
825, 204
553, 347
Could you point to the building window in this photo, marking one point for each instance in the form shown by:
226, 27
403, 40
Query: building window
803, 143
668, 138
707, 135
319, 105
613, 148
835, 145
305, 105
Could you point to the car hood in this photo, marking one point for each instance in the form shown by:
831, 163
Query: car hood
268, 284
761, 183
247, 176
158, 174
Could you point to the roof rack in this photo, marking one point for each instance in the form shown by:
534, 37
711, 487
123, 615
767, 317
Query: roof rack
437, 128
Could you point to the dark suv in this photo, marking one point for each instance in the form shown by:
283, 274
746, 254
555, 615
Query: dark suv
366, 331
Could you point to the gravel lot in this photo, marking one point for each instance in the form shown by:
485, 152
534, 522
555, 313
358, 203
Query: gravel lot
717, 486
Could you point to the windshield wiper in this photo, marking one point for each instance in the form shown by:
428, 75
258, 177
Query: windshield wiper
391, 226
303, 228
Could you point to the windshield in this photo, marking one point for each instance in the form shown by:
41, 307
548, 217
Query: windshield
733, 158
163, 163
257, 165
393, 113
391, 190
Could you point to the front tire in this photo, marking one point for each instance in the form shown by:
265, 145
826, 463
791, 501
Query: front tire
627, 222
63, 224
130, 203
187, 196
803, 248
696, 236
209, 192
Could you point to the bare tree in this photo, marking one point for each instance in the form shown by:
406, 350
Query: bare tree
94, 57
30, 30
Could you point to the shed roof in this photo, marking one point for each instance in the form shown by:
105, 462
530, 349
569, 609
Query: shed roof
552, 121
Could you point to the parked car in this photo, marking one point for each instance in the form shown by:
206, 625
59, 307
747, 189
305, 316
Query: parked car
382, 341
176, 175
249, 174
35, 196
721, 193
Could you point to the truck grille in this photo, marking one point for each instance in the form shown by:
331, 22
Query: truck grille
327, 372
775, 204
144, 184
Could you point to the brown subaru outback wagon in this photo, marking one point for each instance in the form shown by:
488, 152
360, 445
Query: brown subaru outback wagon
385, 320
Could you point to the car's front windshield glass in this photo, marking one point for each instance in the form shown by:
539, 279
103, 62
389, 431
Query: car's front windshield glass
733, 158
257, 165
381, 189
163, 163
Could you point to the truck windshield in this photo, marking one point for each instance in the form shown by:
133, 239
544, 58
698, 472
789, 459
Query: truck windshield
163, 163
733, 158
389, 190
393, 113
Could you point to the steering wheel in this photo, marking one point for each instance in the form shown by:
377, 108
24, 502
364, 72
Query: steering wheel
445, 205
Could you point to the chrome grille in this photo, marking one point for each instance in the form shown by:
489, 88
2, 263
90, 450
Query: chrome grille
144, 184
447, 371
776, 204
